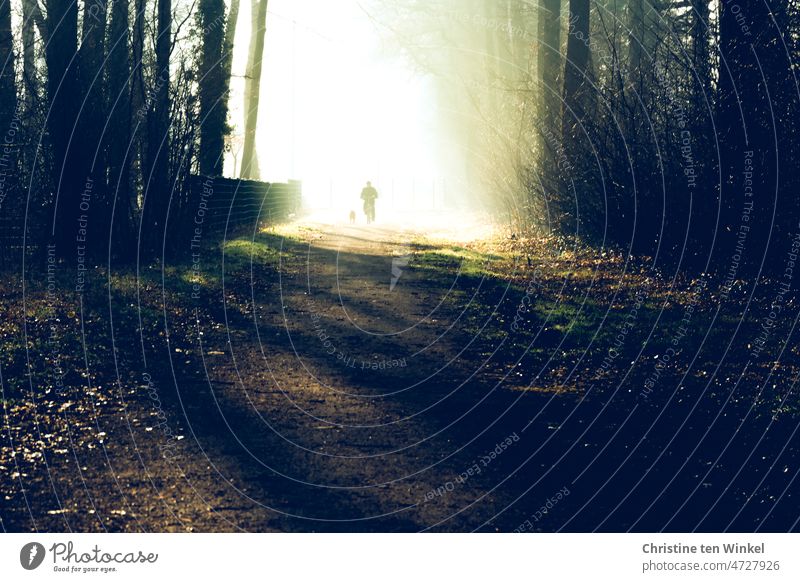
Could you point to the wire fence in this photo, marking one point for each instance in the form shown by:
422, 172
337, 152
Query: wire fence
223, 205
216, 206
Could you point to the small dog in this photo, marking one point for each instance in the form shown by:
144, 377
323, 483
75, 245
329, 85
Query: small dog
352, 217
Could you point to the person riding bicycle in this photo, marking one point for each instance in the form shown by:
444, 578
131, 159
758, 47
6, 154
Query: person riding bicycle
368, 195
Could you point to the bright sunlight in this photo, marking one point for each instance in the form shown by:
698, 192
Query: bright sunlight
345, 111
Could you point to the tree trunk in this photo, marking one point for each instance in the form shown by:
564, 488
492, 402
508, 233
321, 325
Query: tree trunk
753, 86
138, 106
91, 63
632, 95
702, 98
576, 69
92, 120
69, 177
120, 203
158, 187
161, 137
8, 99
230, 39
250, 168
8, 89
549, 58
230, 30
636, 42
29, 74
212, 87
701, 58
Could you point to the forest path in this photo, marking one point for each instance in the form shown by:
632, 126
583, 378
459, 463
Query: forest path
311, 377
355, 386
324, 376
382, 378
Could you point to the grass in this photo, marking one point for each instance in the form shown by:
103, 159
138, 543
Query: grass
241, 251
517, 291
557, 312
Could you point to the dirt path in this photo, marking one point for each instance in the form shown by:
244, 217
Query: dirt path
329, 381
327, 377
354, 387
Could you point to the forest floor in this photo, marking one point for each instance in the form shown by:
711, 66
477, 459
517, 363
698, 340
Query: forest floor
335, 377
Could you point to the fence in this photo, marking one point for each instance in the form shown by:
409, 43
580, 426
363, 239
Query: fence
222, 204
12, 223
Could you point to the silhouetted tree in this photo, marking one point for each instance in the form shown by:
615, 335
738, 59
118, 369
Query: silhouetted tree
576, 69
213, 86
121, 204
65, 99
252, 90
549, 57
8, 88
31, 14
156, 179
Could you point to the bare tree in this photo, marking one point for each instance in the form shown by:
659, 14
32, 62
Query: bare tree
121, 204
250, 169
8, 88
64, 97
30, 16
230, 38
92, 117
549, 57
576, 68
158, 187
212, 86
138, 106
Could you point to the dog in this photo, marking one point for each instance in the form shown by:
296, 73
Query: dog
352, 217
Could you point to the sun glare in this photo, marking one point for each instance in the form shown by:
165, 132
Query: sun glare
337, 111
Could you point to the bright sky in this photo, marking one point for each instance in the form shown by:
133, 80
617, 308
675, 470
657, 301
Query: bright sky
335, 111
